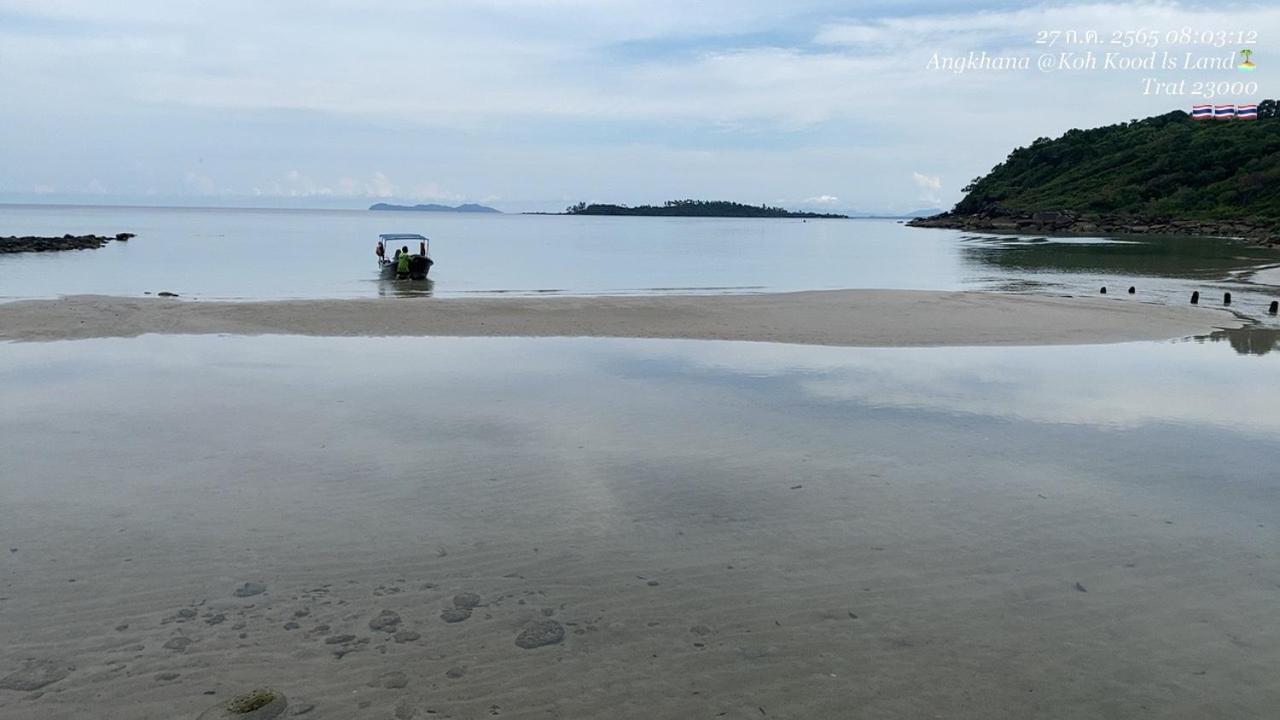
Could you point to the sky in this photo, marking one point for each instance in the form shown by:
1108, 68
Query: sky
538, 104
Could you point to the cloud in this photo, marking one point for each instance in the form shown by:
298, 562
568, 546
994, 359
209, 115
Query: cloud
530, 100
200, 183
928, 185
822, 200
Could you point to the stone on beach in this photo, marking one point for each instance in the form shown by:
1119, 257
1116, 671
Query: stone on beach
455, 614
259, 704
386, 621
468, 600
539, 634
178, 643
35, 674
390, 681
250, 589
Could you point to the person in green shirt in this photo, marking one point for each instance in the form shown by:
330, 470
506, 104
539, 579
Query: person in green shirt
402, 264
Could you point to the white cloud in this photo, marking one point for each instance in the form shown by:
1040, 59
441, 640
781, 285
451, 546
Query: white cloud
200, 183
930, 186
469, 89
822, 200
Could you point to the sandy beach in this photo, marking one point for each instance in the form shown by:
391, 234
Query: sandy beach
900, 318
719, 530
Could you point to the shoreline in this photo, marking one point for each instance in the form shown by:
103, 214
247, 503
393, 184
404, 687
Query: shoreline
1070, 224
856, 318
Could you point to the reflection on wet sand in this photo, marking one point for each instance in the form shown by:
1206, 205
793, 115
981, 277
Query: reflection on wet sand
443, 527
1248, 340
406, 288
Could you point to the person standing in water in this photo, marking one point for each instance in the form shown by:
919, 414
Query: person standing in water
402, 263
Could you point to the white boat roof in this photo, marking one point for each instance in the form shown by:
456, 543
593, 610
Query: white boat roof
394, 237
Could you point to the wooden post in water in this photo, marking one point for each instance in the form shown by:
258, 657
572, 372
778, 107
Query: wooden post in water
1195, 298
1275, 307
1132, 289
1103, 291
1226, 298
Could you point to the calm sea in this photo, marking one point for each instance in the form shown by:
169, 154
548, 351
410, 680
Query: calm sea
272, 254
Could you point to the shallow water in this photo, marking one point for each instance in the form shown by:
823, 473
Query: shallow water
997, 532
250, 254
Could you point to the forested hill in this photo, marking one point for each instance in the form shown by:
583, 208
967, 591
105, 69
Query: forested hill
694, 208
1163, 174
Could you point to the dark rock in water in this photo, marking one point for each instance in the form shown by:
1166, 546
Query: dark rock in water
166, 293
468, 600
539, 634
405, 636
31, 243
390, 681
338, 639
259, 704
455, 614
386, 621
124, 237
35, 674
248, 589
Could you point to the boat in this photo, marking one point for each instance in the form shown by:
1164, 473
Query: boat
390, 244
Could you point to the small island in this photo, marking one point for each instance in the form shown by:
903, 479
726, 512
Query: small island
432, 207
693, 208
1167, 174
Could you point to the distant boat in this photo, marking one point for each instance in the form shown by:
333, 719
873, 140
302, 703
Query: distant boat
390, 243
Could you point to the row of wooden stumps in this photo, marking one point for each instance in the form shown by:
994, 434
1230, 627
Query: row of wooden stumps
1195, 299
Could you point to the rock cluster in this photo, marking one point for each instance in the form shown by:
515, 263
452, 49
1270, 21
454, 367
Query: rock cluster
996, 219
31, 243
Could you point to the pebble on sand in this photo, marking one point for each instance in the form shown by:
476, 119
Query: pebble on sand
177, 643
539, 634
35, 674
455, 614
386, 621
259, 704
250, 589
390, 681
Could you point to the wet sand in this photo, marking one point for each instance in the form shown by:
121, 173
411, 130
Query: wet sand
713, 543
837, 317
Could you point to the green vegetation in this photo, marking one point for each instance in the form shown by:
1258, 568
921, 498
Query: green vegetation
1167, 167
694, 208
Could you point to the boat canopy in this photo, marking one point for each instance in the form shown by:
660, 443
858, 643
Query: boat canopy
397, 237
